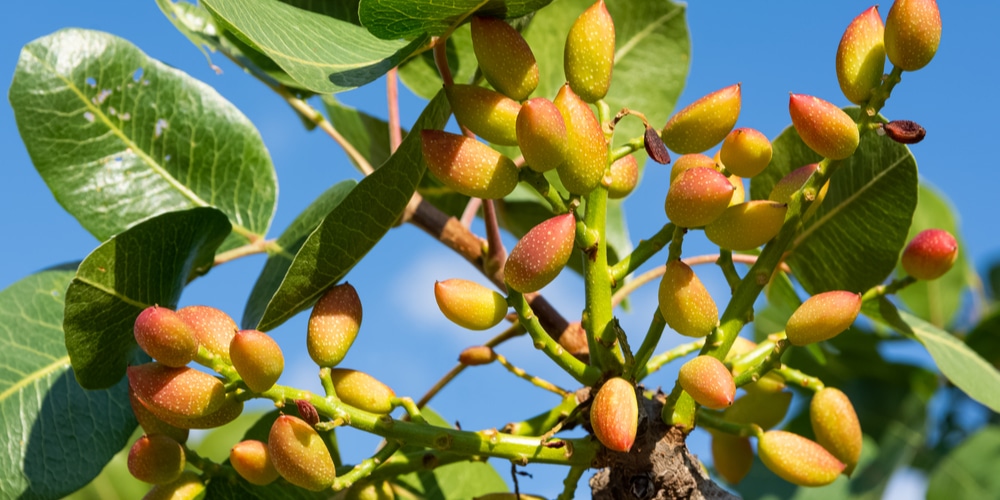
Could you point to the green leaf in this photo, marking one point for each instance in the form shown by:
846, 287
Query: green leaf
147, 264
956, 360
367, 134
937, 301
355, 226
853, 240
421, 76
394, 19
652, 56
322, 53
119, 137
57, 437
289, 243
969, 471
985, 338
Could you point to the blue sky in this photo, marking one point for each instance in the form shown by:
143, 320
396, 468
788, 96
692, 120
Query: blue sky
771, 47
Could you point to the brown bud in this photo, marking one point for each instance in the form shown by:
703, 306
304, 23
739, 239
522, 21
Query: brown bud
477, 355
252, 461
614, 414
156, 459
165, 336
541, 254
333, 325
930, 254
708, 381
655, 147
257, 358
299, 454
307, 411
904, 131
362, 391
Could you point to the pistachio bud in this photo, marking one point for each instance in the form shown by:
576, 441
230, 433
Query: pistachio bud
732, 456
745, 152
183, 392
156, 459
624, 176
257, 358
252, 461
541, 134
698, 197
586, 147
213, 328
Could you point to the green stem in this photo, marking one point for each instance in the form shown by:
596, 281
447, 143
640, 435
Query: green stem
208, 467
521, 449
365, 468
713, 420
583, 373
326, 380
572, 479
770, 362
537, 382
800, 379
658, 361
424, 460
542, 423
541, 185
649, 342
725, 263
676, 243
597, 315
645, 250
411, 409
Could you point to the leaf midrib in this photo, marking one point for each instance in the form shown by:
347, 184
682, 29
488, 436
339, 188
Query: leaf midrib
35, 375
141, 153
645, 32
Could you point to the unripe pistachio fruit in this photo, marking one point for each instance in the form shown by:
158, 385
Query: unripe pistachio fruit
541, 134
689, 161
703, 123
745, 152
257, 358
213, 328
836, 426
797, 459
504, 57
747, 225
368, 490
624, 176
477, 355
488, 114
684, 303
698, 197
732, 456
252, 461
586, 147
333, 325
182, 392
152, 424
861, 56
469, 304
614, 414
231, 408
362, 391
822, 317
739, 193
766, 409
590, 53
708, 381
187, 486
912, 33
165, 336
467, 165
541, 254
299, 454
825, 128
930, 254
156, 459
784, 189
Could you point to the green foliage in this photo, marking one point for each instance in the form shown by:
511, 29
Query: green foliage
970, 470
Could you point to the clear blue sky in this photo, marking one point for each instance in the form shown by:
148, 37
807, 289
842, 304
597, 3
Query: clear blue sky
771, 47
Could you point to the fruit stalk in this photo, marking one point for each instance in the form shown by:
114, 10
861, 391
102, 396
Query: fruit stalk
583, 373
538, 382
597, 316
642, 252
649, 341
366, 466
658, 361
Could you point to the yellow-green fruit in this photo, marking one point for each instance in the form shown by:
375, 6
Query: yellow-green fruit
745, 152
182, 392
541, 134
231, 408
508, 496
797, 459
590, 53
747, 225
822, 317
152, 424
825, 128
165, 336
836, 426
156, 459
488, 114
469, 304
540, 254
861, 56
689, 161
368, 490
333, 325
586, 148
684, 303
257, 358
912, 33
732, 456
467, 165
624, 176
698, 197
504, 57
703, 123
784, 189
213, 328
477, 355
362, 391
771, 382
299, 454
766, 409
187, 486
930, 254
708, 381
614, 414
252, 461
